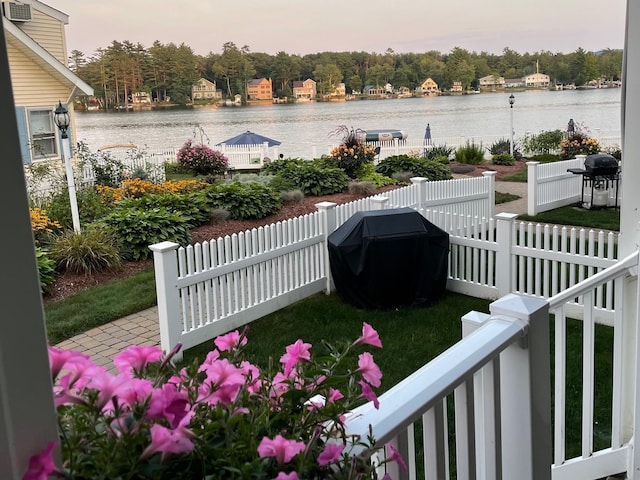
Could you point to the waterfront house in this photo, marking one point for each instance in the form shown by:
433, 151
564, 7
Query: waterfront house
428, 87
260, 89
513, 82
537, 80
305, 89
340, 90
140, 98
373, 91
205, 90
491, 82
456, 87
37, 52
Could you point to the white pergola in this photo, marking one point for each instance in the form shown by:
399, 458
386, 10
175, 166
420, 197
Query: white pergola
27, 415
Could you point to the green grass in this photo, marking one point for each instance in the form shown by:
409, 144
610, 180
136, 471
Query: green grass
99, 305
502, 197
519, 176
410, 336
606, 218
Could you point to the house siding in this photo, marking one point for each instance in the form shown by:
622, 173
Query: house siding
28, 93
48, 32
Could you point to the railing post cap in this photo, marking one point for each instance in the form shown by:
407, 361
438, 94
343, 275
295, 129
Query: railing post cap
325, 205
163, 247
531, 162
506, 216
419, 179
517, 306
489, 174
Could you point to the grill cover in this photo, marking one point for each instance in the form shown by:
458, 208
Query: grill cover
384, 259
601, 164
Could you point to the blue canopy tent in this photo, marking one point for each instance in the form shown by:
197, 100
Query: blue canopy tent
250, 138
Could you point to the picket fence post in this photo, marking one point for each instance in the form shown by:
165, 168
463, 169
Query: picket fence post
329, 224
380, 203
165, 262
492, 192
532, 188
504, 259
420, 189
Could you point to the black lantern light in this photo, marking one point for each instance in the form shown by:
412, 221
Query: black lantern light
61, 118
512, 100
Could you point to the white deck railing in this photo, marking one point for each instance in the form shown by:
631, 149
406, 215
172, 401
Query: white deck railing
497, 374
498, 432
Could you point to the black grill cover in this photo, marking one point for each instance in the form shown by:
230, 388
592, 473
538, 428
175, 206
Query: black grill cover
383, 259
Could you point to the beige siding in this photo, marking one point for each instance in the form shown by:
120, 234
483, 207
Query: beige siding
48, 32
33, 86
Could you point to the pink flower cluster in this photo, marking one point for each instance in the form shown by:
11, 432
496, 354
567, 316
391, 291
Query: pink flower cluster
172, 409
201, 159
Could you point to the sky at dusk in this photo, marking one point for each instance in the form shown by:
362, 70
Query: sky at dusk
296, 27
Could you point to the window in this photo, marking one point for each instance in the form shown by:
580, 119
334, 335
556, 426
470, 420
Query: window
43, 136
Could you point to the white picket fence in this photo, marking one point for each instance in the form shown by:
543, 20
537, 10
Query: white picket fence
551, 185
210, 288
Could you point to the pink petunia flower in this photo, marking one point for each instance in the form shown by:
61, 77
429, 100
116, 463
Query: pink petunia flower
396, 457
334, 395
287, 476
369, 336
136, 357
41, 465
230, 341
369, 370
282, 449
330, 454
58, 358
295, 353
166, 440
368, 393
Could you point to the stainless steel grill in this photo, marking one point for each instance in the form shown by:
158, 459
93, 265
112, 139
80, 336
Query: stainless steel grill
601, 173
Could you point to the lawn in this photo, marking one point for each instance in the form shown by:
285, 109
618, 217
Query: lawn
605, 218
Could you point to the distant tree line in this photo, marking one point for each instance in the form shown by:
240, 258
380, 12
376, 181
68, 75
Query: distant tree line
169, 71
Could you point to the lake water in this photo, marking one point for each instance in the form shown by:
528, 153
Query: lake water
300, 127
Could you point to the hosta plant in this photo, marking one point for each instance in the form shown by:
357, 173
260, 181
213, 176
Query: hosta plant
221, 418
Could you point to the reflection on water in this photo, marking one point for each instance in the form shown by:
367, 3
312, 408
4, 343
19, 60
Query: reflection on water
301, 127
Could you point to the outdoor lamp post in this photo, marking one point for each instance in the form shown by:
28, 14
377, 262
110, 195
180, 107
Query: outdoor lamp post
512, 100
62, 120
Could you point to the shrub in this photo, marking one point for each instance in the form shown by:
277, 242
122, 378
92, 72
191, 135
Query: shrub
614, 150
367, 173
578, 144
352, 152
277, 167
470, 153
439, 151
315, 177
419, 167
504, 146
136, 228
543, 142
107, 170
362, 189
502, 159
46, 270
175, 168
91, 207
192, 206
43, 227
219, 215
202, 160
403, 177
244, 200
292, 196
89, 251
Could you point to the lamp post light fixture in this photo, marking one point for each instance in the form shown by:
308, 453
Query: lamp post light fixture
512, 100
62, 120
